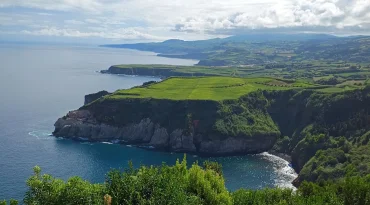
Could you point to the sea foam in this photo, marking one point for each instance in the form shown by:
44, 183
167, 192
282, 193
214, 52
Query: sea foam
285, 173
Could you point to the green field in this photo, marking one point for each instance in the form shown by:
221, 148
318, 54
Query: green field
207, 88
235, 71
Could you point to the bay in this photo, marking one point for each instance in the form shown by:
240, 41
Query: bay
40, 83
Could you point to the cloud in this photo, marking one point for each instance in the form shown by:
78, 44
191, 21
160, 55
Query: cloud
74, 22
44, 14
93, 21
203, 18
122, 34
303, 14
60, 5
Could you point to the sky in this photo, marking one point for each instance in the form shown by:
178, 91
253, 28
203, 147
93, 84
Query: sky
122, 21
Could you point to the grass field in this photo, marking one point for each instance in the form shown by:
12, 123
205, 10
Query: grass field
206, 88
209, 70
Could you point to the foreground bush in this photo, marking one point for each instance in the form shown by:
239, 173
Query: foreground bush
147, 185
179, 184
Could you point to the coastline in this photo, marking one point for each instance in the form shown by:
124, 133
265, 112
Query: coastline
281, 164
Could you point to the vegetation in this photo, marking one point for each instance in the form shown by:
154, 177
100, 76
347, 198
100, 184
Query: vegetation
180, 184
268, 49
311, 93
335, 60
338, 73
207, 88
325, 137
330, 138
222, 106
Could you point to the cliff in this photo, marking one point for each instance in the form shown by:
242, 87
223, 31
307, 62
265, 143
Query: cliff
164, 72
324, 133
180, 126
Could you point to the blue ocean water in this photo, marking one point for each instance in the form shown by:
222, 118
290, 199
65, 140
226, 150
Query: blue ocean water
40, 83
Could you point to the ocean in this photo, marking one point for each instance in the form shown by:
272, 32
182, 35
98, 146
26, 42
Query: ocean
40, 83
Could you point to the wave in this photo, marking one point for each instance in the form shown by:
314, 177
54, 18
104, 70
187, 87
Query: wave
87, 143
285, 173
41, 135
115, 141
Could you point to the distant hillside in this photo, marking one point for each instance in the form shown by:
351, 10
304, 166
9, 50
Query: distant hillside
181, 46
262, 49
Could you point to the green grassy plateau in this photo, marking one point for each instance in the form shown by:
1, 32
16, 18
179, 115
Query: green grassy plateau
207, 88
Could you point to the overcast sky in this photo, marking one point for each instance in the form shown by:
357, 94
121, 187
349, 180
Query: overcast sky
116, 21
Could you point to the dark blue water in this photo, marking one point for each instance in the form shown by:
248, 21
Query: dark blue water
39, 84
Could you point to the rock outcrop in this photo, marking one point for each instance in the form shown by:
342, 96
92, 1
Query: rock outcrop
81, 125
92, 97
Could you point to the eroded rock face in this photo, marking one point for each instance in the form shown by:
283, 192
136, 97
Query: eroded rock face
232, 145
181, 143
160, 138
82, 124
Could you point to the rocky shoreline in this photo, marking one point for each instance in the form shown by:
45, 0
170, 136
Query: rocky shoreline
81, 125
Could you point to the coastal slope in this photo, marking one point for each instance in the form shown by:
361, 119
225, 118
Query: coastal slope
324, 132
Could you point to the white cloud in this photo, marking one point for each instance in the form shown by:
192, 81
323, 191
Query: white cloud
74, 22
44, 14
298, 13
93, 21
123, 33
61, 5
202, 17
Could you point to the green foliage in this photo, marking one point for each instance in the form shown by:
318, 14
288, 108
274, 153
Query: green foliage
180, 184
13, 202
209, 165
204, 88
343, 159
329, 81
45, 189
343, 58
309, 120
282, 145
247, 116
167, 185
308, 147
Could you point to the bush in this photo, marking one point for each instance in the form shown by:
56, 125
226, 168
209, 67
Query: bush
179, 184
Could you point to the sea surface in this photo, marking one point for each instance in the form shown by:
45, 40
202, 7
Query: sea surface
40, 83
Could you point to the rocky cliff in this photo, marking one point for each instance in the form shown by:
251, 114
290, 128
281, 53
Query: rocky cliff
82, 125
291, 122
181, 126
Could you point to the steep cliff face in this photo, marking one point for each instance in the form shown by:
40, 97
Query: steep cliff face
81, 125
314, 121
206, 127
310, 121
